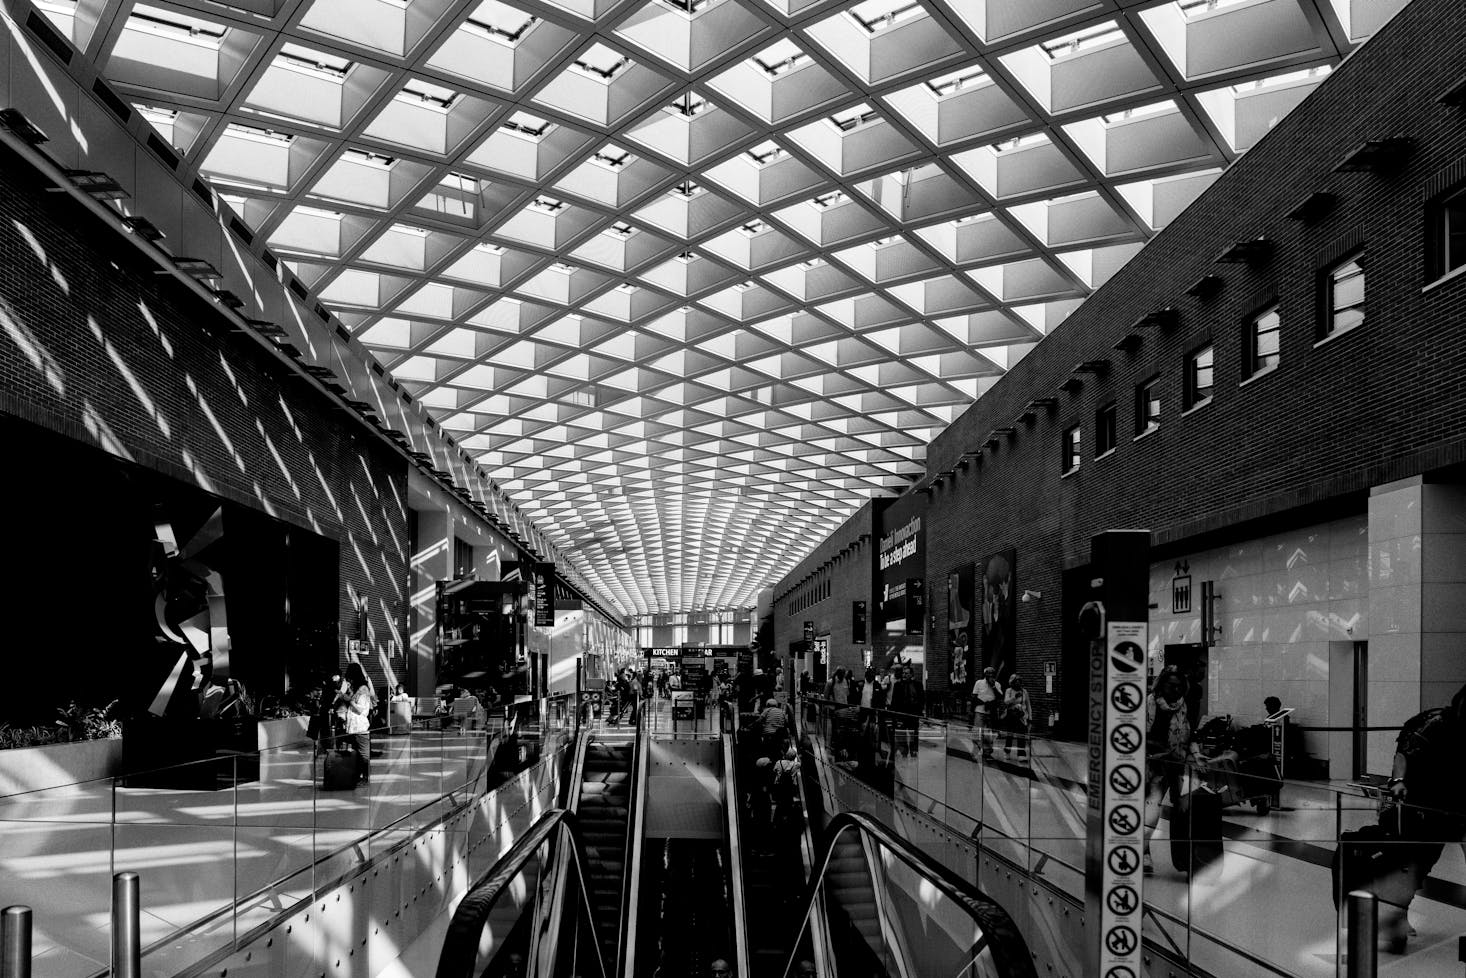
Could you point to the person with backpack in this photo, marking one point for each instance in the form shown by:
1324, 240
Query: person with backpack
1018, 715
1167, 749
785, 791
1426, 784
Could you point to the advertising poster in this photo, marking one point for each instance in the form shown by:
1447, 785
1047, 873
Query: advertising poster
959, 624
1000, 614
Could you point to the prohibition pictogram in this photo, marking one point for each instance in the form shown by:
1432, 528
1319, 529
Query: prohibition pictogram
1124, 820
1127, 697
1122, 900
1126, 738
1120, 940
1125, 779
1123, 860
1119, 971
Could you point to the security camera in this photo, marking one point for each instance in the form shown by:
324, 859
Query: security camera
1031, 596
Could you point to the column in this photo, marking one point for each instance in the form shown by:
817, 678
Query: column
1443, 593
1393, 693
432, 561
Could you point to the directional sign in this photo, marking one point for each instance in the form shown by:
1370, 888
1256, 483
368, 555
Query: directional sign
1123, 786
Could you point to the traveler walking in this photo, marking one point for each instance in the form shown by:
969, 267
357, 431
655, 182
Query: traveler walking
1167, 749
1017, 716
987, 712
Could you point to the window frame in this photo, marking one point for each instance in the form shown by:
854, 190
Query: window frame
1106, 420
1251, 333
1438, 233
1191, 396
1143, 425
1071, 449
1328, 283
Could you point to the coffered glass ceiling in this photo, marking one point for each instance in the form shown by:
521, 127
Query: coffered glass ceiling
692, 279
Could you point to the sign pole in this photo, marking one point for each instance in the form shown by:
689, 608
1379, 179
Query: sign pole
1114, 619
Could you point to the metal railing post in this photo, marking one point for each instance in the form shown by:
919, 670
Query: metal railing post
1361, 923
15, 942
126, 927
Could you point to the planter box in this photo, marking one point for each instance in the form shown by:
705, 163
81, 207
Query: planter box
54, 765
289, 732
189, 755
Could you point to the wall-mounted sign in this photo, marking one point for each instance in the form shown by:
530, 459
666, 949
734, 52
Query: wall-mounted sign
1123, 823
544, 595
809, 631
915, 606
1181, 589
900, 543
858, 622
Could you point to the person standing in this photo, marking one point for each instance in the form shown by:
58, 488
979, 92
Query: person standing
987, 698
1426, 782
1167, 749
907, 699
1017, 716
358, 704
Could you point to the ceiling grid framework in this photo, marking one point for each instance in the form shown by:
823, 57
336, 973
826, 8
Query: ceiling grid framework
693, 279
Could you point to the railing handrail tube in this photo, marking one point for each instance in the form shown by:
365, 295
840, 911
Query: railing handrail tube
636, 824
731, 809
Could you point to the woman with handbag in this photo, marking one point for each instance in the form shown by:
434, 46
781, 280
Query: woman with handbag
358, 705
1017, 716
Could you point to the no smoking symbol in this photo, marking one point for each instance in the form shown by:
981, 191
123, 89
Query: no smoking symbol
1125, 779
1122, 900
1120, 940
1124, 860
1126, 738
1127, 697
1119, 971
1124, 820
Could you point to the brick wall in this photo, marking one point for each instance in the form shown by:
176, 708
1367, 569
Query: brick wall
1381, 402
845, 559
96, 347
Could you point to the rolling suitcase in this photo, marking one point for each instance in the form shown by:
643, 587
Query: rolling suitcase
1373, 858
340, 771
1196, 830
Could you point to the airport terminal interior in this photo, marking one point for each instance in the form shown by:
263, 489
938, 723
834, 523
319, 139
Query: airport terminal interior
733, 488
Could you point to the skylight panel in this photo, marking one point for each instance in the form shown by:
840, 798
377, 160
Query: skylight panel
161, 119
780, 58
300, 58
525, 124
428, 94
488, 247
171, 24
500, 22
564, 268
1200, 8
547, 205
620, 229
854, 117
259, 134
813, 263
688, 104
765, 152
455, 195
1087, 39
612, 157
1020, 142
1138, 112
689, 7
754, 227
880, 15
960, 80
602, 63
367, 158
687, 189
1317, 71
832, 199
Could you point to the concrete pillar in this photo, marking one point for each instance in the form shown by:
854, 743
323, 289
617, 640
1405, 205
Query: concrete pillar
1393, 694
1442, 593
432, 561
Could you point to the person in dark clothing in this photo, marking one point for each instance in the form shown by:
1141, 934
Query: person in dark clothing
1426, 781
907, 699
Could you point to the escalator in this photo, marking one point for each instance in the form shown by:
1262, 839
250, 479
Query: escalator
604, 813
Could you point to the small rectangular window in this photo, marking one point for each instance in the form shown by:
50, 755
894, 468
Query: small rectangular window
1449, 217
1199, 374
1264, 331
1069, 450
1104, 429
1344, 296
1147, 406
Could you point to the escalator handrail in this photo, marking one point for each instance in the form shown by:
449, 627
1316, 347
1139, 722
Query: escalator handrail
460, 943
732, 807
631, 858
989, 914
